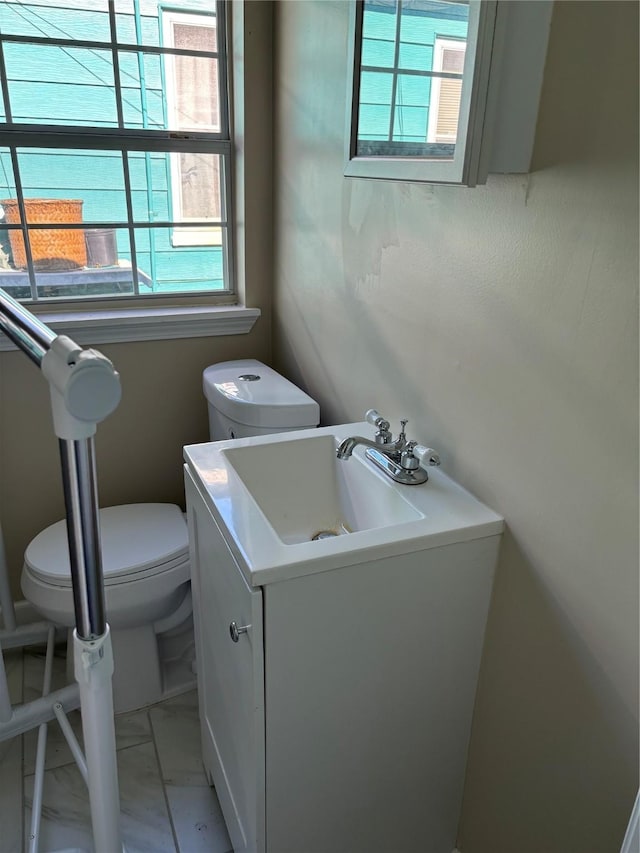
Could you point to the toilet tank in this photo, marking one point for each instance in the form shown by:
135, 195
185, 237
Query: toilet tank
246, 397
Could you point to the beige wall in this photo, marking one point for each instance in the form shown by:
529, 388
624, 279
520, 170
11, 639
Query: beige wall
502, 321
139, 448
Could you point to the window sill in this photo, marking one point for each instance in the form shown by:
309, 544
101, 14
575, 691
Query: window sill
109, 326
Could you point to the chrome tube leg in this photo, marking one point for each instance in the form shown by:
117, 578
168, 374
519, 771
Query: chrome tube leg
83, 529
93, 655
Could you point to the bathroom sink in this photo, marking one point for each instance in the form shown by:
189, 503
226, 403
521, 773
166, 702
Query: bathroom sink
288, 506
305, 491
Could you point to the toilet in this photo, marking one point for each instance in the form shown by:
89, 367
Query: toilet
145, 548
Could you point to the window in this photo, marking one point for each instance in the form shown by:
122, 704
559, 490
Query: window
443, 91
114, 149
411, 91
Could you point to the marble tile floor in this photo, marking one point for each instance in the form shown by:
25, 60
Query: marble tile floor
167, 804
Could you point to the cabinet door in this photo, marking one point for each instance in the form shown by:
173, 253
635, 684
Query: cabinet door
230, 676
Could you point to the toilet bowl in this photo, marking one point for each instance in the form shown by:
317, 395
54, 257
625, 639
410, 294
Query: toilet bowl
145, 549
145, 560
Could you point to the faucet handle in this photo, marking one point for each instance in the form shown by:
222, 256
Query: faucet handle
374, 418
427, 455
383, 436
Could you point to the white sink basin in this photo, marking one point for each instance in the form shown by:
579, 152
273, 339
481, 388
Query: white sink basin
305, 490
271, 494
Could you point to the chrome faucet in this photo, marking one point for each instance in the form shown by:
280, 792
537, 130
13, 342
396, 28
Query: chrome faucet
399, 459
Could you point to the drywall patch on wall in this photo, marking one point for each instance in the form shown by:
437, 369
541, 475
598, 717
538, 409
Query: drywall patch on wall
369, 228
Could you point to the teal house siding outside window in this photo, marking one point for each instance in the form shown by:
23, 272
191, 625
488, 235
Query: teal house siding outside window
68, 86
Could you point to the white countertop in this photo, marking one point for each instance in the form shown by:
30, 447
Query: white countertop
446, 513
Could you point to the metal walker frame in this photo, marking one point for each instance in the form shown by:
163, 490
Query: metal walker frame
85, 389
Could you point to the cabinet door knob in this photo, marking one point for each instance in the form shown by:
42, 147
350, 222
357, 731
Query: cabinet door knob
235, 631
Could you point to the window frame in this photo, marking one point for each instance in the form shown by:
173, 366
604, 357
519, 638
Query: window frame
466, 167
19, 135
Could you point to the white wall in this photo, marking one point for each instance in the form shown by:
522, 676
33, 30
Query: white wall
502, 321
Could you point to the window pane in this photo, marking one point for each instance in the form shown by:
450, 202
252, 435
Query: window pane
379, 20
422, 22
413, 90
379, 53
183, 96
52, 175
192, 93
373, 122
196, 93
67, 19
199, 186
168, 264
60, 85
375, 87
143, 101
7, 193
7, 180
150, 186
415, 57
149, 24
175, 187
410, 123
375, 105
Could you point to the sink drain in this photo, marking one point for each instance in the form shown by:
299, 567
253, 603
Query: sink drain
324, 534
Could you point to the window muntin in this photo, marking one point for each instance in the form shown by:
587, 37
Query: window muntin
100, 157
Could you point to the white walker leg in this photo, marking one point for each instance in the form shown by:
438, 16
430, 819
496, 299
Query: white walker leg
93, 662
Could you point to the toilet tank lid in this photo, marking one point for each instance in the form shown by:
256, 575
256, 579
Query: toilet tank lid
253, 394
134, 537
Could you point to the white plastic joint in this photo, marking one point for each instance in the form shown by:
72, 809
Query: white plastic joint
85, 388
92, 659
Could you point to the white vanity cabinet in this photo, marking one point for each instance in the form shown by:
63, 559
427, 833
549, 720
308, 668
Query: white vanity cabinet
339, 722
230, 677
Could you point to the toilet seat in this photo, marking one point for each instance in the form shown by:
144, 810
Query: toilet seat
138, 541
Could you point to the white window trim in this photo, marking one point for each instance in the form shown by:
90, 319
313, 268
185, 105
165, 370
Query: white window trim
120, 325
441, 44
184, 236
